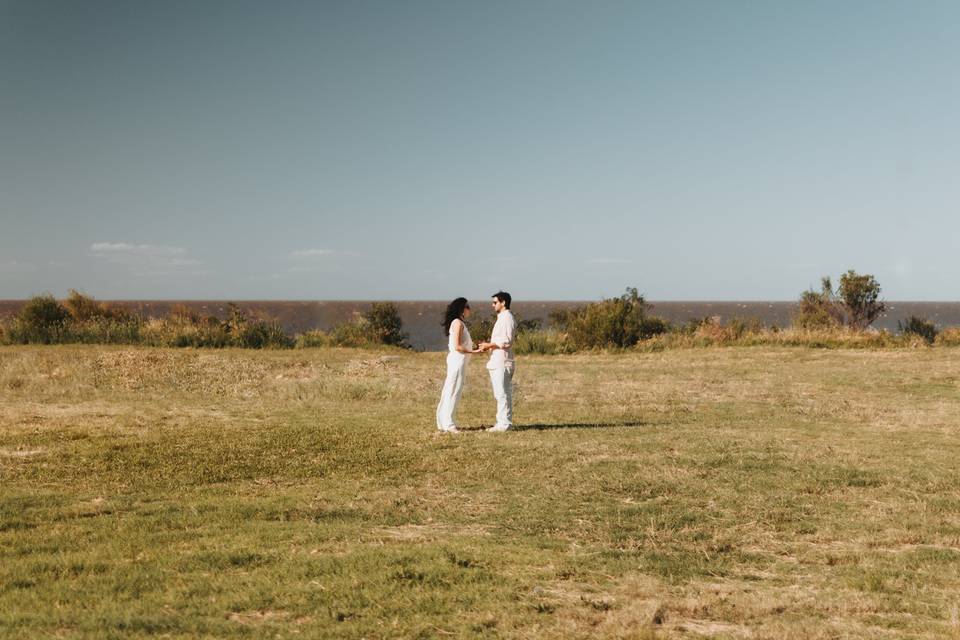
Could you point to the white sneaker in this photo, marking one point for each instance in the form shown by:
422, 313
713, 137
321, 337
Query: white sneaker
449, 430
500, 428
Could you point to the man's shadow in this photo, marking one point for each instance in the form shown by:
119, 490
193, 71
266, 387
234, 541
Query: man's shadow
544, 426
579, 425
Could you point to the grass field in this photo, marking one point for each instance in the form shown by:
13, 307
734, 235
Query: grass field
730, 493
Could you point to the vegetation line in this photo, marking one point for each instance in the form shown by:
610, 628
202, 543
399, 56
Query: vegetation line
829, 318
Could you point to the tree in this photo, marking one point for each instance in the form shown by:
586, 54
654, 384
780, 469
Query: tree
614, 322
854, 304
819, 309
42, 319
385, 325
860, 295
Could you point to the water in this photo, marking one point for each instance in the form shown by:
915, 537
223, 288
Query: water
421, 319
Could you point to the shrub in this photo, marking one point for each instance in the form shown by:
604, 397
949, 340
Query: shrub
855, 303
103, 330
255, 334
185, 328
860, 295
481, 328
918, 326
614, 322
381, 325
542, 342
651, 326
819, 309
741, 327
949, 337
82, 307
352, 334
41, 320
384, 324
313, 339
262, 335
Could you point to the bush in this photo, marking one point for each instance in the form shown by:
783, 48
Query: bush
179, 331
819, 309
379, 326
384, 324
855, 303
41, 320
103, 330
353, 334
261, 335
481, 328
255, 334
860, 295
185, 328
541, 341
83, 308
612, 323
949, 337
313, 339
918, 326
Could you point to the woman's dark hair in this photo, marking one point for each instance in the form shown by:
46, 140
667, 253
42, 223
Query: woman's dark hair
454, 312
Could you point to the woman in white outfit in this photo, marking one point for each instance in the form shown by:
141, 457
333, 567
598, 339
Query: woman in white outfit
459, 347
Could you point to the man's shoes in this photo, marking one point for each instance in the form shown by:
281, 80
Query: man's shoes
449, 430
500, 427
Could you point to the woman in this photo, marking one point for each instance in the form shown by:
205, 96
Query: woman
459, 346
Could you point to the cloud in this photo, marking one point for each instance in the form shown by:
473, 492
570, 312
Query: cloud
147, 259
312, 253
306, 255
11, 267
608, 261
903, 268
318, 260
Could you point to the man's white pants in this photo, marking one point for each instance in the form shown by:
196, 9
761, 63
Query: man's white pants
452, 388
502, 381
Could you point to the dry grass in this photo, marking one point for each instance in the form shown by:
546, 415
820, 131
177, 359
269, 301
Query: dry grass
761, 492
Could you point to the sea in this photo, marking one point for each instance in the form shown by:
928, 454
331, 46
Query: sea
422, 318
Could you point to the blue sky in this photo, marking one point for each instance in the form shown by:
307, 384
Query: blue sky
424, 150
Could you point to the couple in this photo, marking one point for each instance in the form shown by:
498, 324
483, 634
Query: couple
500, 365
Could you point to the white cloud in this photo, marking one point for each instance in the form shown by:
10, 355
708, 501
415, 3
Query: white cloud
607, 261
10, 267
147, 259
312, 253
126, 249
903, 269
318, 260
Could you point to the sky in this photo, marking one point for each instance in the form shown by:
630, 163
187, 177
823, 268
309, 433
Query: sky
708, 150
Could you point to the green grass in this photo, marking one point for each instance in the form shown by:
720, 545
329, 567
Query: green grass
767, 492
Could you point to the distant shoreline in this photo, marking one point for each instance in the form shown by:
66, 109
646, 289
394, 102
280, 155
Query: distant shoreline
421, 318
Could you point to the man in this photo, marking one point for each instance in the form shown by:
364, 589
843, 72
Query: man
501, 362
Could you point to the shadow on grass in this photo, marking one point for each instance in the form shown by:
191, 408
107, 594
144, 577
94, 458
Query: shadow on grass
565, 425
579, 425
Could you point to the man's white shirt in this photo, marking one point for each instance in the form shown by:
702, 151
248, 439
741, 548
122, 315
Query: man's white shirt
502, 335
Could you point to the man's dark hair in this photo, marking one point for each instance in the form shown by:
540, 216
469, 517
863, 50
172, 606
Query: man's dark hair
503, 297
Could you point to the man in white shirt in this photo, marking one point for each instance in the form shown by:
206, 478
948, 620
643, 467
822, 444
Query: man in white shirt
501, 362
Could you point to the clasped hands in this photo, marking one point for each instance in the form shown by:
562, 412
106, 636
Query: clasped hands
484, 346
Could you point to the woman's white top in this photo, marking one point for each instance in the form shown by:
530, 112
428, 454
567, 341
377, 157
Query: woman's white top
465, 340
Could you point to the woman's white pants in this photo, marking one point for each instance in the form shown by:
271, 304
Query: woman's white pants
452, 388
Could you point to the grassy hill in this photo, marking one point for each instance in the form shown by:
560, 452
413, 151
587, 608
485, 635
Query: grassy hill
765, 492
